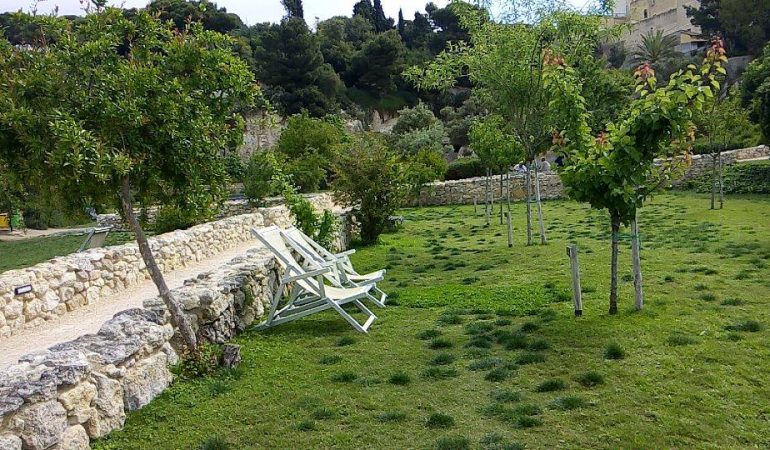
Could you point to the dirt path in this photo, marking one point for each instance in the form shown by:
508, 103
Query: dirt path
89, 318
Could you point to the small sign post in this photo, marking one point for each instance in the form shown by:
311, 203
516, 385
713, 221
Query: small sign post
21, 290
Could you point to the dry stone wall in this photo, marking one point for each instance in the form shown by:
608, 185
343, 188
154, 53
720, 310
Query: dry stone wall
62, 285
62, 397
467, 191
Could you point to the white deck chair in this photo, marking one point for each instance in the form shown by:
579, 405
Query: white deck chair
342, 274
95, 238
308, 294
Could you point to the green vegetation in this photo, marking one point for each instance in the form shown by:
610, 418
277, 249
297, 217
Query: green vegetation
285, 378
743, 178
28, 252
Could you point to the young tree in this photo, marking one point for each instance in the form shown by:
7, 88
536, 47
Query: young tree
370, 179
505, 63
721, 119
111, 108
615, 170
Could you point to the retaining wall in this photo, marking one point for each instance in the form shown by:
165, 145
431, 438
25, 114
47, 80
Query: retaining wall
64, 284
62, 397
468, 190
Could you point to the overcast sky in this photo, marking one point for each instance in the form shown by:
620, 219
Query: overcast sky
250, 11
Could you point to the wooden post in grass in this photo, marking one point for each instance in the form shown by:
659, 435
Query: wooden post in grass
487, 197
474, 205
577, 296
637, 266
510, 229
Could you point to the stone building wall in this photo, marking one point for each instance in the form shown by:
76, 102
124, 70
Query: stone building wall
62, 397
464, 192
64, 284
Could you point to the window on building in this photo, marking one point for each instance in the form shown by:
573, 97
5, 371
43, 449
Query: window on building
645, 13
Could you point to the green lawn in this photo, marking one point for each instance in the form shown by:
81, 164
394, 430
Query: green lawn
28, 252
506, 362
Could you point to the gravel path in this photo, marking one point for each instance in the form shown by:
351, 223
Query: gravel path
88, 319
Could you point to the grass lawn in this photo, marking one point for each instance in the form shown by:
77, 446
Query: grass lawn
483, 351
28, 252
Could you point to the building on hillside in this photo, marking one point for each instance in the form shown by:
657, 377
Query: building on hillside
645, 16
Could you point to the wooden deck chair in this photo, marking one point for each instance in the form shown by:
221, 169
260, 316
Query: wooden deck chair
307, 293
95, 238
342, 274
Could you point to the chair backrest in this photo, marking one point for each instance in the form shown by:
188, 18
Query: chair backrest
95, 238
299, 241
299, 236
272, 239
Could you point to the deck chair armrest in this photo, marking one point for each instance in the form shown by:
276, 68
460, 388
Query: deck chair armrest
311, 274
345, 253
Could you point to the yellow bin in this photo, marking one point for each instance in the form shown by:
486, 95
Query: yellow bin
5, 222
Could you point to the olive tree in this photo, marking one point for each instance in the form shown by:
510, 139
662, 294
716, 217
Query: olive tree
112, 109
614, 169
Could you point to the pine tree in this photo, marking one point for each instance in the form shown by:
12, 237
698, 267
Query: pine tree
294, 8
401, 22
381, 21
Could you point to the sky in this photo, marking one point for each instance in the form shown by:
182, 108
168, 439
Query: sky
250, 11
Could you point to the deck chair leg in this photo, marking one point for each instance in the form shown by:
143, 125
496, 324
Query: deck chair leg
273, 307
351, 320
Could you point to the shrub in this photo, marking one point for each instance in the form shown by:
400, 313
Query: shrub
197, 365
309, 146
429, 334
568, 403
439, 373
442, 359
344, 377
440, 343
551, 385
439, 420
214, 443
453, 443
329, 359
530, 358
751, 178
170, 218
497, 374
590, 379
306, 425
234, 167
370, 180
751, 326
462, 168
258, 175
400, 379
613, 350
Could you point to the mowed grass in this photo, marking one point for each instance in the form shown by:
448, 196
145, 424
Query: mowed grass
18, 254
523, 370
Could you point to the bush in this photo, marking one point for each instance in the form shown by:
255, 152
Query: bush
170, 218
438, 420
370, 180
198, 365
235, 167
308, 146
462, 168
257, 180
613, 350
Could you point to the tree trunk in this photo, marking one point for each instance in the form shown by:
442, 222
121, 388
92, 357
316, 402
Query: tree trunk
487, 195
501, 199
178, 318
614, 266
721, 182
637, 264
539, 207
528, 180
713, 180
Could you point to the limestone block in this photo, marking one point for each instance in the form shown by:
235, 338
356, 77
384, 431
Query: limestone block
77, 401
10, 442
74, 438
41, 425
110, 414
146, 380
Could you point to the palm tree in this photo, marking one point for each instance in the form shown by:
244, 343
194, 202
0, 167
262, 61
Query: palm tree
655, 47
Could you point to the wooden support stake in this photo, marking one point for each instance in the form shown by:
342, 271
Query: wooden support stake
637, 266
510, 229
577, 296
474, 205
